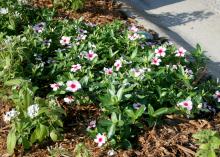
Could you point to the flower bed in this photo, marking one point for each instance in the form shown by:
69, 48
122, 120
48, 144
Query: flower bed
117, 74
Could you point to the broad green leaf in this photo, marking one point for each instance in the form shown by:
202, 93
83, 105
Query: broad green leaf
120, 93
111, 131
130, 113
140, 111
53, 135
11, 141
105, 122
134, 53
41, 132
160, 112
150, 110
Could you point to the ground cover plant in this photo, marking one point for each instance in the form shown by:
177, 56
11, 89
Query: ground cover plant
53, 65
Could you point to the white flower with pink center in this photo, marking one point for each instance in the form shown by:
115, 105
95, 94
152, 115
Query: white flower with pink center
68, 99
118, 64
180, 52
160, 52
65, 40
217, 95
133, 29
186, 104
73, 86
91, 55
137, 72
100, 139
75, 67
155, 61
55, 86
108, 71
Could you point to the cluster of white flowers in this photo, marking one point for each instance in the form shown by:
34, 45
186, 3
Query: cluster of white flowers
10, 115
3, 11
33, 110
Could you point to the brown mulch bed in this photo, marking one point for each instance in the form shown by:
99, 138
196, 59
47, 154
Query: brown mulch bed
94, 11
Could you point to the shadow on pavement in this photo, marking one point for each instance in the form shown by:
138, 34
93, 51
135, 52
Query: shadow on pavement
153, 4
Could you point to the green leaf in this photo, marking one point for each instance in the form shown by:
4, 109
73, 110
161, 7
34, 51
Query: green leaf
114, 118
120, 93
53, 135
11, 141
120, 123
111, 131
13, 82
41, 132
160, 112
130, 113
150, 110
105, 122
134, 53
140, 111
26, 143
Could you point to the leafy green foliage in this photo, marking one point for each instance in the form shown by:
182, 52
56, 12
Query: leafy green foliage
209, 143
69, 62
27, 130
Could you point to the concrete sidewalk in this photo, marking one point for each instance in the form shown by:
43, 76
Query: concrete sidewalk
185, 22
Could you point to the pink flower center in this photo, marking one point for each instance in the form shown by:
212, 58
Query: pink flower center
155, 60
64, 40
117, 65
73, 86
185, 104
160, 51
100, 139
90, 55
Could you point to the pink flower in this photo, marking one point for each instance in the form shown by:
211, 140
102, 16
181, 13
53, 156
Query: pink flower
156, 61
92, 124
73, 86
217, 95
118, 64
133, 29
91, 55
160, 52
108, 71
100, 139
186, 104
180, 52
75, 67
65, 40
55, 86
68, 99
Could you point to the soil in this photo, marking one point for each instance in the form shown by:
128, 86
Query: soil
172, 139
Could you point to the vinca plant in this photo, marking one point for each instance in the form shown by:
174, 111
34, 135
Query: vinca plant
132, 78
